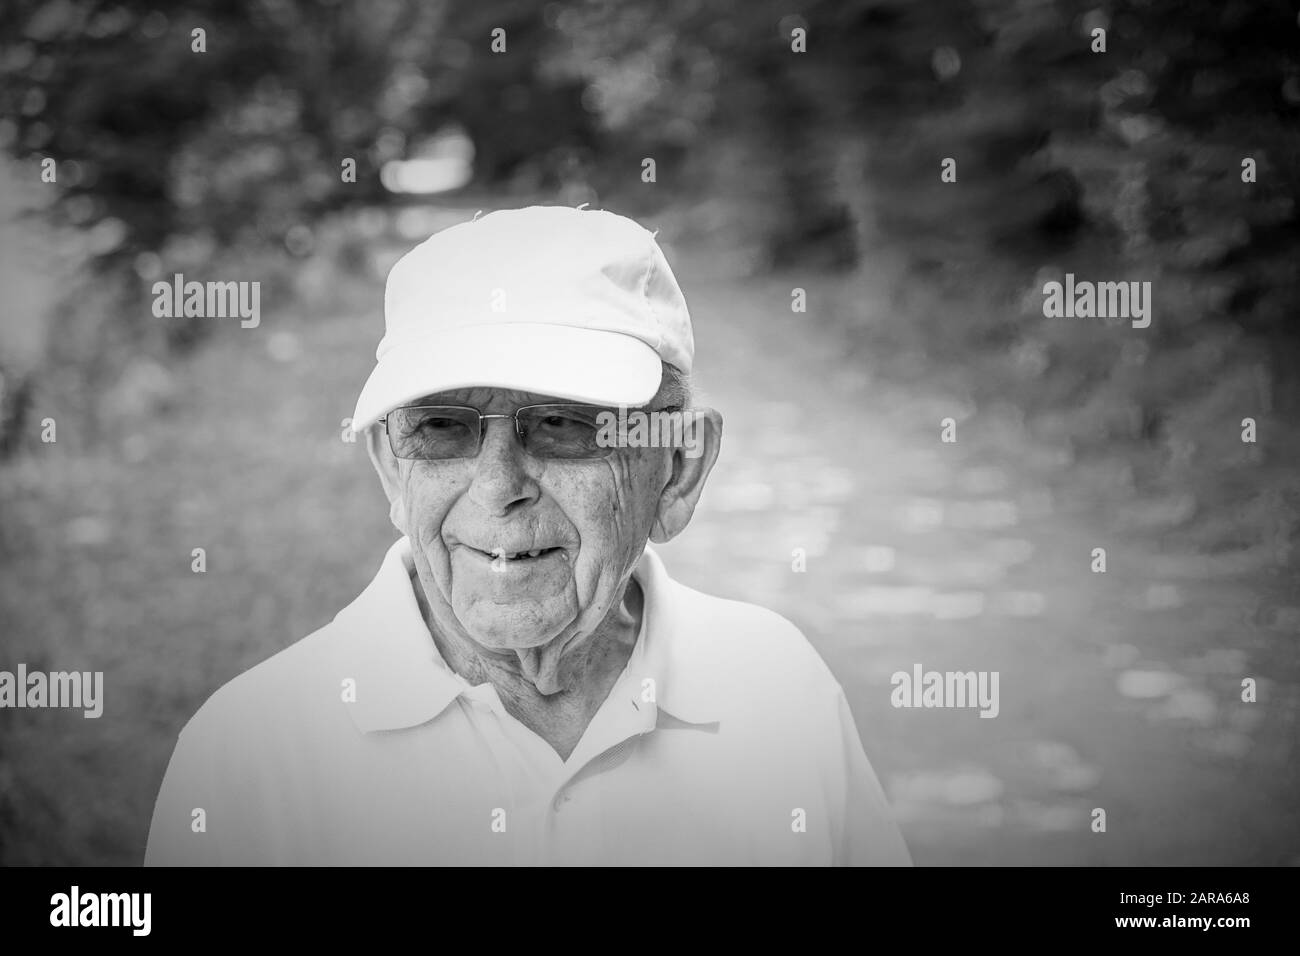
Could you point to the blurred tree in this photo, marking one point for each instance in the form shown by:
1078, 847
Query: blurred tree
239, 143
171, 150
528, 125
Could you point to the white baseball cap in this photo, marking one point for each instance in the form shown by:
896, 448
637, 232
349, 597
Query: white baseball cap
574, 303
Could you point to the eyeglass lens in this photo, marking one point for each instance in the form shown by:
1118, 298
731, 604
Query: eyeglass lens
438, 432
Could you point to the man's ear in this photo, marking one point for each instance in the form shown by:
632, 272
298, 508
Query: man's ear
691, 466
389, 469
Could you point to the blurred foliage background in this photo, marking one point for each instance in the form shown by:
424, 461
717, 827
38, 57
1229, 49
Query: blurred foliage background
1131, 158
774, 169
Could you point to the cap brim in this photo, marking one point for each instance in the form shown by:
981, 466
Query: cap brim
574, 364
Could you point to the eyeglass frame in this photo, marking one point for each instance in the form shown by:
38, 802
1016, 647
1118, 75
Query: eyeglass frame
518, 432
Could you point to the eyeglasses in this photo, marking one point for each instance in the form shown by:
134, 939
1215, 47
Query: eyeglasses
441, 432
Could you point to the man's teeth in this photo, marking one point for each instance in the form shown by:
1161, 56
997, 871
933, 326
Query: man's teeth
498, 553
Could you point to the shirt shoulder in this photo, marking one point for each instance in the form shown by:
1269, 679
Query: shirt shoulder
295, 685
746, 652
247, 759
774, 695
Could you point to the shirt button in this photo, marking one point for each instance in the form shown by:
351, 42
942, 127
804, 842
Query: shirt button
560, 800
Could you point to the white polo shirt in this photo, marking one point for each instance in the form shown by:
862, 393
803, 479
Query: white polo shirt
725, 741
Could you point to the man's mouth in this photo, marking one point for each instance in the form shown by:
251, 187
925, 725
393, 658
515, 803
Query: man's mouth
497, 554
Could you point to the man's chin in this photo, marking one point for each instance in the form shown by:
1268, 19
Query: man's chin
496, 634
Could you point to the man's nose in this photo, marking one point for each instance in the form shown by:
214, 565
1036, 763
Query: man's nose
501, 482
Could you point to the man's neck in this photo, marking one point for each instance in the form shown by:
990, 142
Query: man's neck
561, 708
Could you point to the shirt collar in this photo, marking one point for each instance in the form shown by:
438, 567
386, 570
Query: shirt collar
402, 681
668, 648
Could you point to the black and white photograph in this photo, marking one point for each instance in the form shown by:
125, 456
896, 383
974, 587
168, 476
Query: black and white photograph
651, 433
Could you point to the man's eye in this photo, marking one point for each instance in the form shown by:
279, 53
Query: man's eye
438, 424
568, 423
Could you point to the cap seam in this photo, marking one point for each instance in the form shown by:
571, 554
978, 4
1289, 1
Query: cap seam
645, 294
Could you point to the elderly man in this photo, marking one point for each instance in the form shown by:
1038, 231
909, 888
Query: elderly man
522, 682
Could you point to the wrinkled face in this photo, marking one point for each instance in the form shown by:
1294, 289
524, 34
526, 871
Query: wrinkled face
514, 550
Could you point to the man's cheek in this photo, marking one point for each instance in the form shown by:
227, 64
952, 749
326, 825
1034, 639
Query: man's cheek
623, 482
636, 498
427, 501
619, 522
